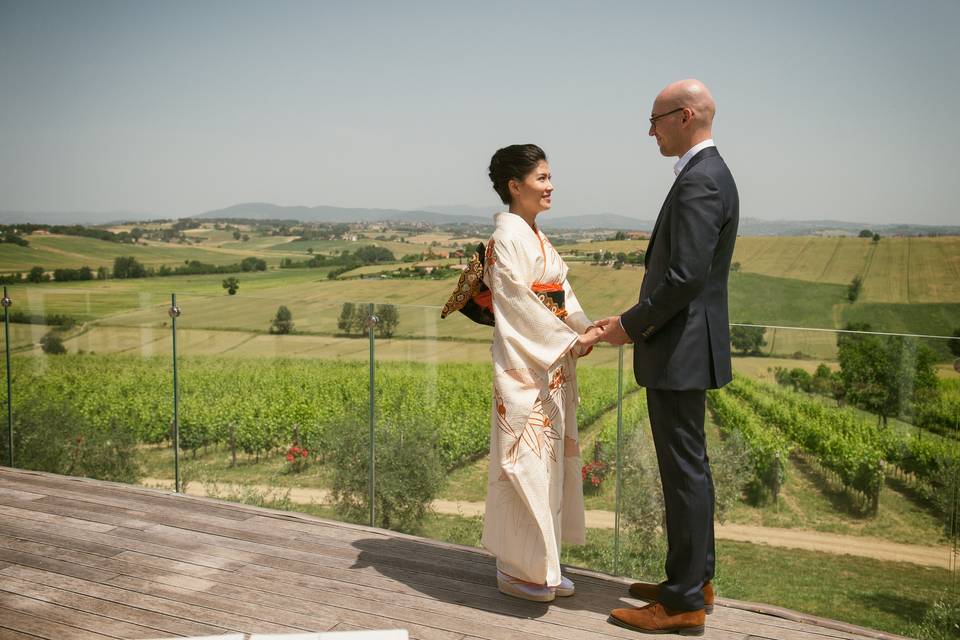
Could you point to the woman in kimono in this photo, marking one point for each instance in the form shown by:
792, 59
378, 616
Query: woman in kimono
534, 486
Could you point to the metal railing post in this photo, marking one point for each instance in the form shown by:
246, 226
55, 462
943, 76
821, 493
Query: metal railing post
174, 312
372, 321
616, 516
6, 301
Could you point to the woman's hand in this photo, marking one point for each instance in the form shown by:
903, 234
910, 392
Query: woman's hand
590, 337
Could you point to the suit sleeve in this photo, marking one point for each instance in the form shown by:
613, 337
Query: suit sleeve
695, 225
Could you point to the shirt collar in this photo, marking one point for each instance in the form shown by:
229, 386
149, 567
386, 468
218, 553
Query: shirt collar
694, 150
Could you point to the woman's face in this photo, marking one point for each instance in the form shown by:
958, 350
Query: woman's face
533, 193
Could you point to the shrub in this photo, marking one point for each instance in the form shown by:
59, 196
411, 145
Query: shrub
593, 475
298, 458
942, 620
408, 470
54, 437
52, 345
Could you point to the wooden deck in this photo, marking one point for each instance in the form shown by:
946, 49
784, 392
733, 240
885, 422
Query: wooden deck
93, 560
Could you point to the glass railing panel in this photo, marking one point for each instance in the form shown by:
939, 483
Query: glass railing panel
89, 379
265, 386
838, 442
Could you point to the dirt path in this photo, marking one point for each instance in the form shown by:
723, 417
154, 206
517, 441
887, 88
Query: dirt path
939, 556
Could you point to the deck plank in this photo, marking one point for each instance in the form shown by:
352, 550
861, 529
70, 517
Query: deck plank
119, 606
85, 559
41, 627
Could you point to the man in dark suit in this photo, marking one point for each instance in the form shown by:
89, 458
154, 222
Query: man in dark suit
681, 339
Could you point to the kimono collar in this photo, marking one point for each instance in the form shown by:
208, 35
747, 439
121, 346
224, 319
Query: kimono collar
513, 222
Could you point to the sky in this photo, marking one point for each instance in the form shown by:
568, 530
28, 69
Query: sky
840, 110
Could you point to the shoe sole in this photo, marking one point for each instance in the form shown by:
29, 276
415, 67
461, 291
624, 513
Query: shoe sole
686, 631
564, 593
707, 608
506, 589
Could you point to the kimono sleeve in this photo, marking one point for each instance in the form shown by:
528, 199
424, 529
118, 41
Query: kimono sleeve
529, 333
576, 319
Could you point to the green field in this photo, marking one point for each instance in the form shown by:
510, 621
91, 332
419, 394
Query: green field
901, 270
54, 252
912, 285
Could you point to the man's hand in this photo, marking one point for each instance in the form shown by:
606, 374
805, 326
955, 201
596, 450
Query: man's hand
613, 332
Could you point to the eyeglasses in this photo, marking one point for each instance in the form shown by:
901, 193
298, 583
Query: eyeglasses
653, 119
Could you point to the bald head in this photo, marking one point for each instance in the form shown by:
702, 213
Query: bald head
693, 94
693, 122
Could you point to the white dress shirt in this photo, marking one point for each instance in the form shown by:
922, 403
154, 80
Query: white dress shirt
694, 150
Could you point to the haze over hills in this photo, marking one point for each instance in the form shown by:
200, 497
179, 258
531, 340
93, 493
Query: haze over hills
467, 214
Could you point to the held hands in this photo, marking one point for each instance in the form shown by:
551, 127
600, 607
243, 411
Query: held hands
612, 331
590, 337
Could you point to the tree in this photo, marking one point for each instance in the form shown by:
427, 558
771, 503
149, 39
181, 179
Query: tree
237, 235
128, 267
372, 255
735, 267
353, 318
389, 319
346, 321
747, 340
865, 233
37, 274
282, 322
253, 264
886, 375
52, 345
620, 235
231, 284
876, 238
955, 344
853, 291
245, 237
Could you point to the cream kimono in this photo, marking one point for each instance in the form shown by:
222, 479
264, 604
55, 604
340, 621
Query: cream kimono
534, 486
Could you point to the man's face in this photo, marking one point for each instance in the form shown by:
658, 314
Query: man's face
665, 120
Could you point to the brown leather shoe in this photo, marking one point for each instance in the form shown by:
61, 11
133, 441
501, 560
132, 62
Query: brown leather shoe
651, 593
655, 618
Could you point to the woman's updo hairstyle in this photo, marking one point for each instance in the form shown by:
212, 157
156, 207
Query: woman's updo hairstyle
513, 163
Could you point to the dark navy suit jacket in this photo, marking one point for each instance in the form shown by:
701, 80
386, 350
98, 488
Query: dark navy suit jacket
680, 326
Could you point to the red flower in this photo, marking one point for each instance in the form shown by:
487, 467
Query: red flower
289, 457
303, 453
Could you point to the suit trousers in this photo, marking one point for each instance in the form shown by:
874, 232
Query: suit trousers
676, 420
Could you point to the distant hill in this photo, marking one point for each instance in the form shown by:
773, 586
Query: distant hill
73, 217
322, 213
467, 214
